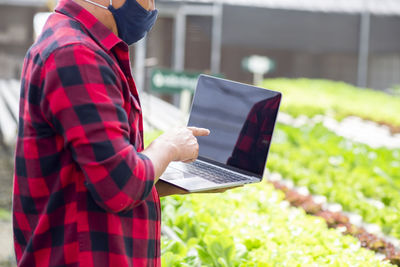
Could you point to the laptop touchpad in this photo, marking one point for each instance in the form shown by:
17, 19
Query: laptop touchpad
174, 174
195, 184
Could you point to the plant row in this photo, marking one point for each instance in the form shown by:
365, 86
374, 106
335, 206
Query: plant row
362, 179
253, 226
339, 220
312, 97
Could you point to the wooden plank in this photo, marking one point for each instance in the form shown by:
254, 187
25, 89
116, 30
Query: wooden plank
15, 87
161, 115
9, 98
8, 126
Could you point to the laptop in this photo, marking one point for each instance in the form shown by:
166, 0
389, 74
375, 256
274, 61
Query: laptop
241, 119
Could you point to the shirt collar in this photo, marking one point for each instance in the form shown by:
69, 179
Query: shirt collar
100, 33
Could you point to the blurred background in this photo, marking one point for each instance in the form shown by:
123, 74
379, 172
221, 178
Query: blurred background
355, 41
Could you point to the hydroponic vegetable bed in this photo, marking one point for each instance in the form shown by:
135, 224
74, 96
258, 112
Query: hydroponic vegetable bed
255, 226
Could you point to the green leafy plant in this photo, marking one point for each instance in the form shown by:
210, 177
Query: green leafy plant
362, 179
311, 97
252, 226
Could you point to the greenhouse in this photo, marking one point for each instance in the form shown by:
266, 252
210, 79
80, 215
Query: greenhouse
330, 192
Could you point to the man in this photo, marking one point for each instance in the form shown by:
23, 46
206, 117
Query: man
84, 188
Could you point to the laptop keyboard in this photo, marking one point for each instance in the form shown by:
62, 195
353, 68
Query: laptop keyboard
212, 173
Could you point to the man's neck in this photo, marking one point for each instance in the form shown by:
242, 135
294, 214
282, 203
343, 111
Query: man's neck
103, 15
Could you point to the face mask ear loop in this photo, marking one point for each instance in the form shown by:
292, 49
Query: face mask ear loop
96, 4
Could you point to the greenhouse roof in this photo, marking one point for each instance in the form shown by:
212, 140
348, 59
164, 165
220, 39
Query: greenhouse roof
377, 7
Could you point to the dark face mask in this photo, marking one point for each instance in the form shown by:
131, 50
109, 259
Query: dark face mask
133, 21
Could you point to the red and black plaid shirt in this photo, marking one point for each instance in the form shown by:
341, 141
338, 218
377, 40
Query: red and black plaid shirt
83, 193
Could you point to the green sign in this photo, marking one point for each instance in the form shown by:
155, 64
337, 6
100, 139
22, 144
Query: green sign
168, 81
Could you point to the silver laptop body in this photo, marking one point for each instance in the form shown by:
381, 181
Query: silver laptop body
241, 119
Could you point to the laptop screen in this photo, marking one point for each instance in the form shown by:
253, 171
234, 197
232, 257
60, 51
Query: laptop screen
241, 119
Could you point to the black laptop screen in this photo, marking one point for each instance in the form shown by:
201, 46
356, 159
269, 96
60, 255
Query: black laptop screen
241, 119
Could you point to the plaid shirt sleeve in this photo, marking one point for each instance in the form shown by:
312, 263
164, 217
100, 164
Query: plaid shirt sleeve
83, 102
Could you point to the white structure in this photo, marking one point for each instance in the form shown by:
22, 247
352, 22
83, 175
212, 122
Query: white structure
356, 41
9, 103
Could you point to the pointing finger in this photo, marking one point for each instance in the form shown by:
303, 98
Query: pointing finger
199, 131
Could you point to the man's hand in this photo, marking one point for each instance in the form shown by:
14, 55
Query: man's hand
176, 145
184, 143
